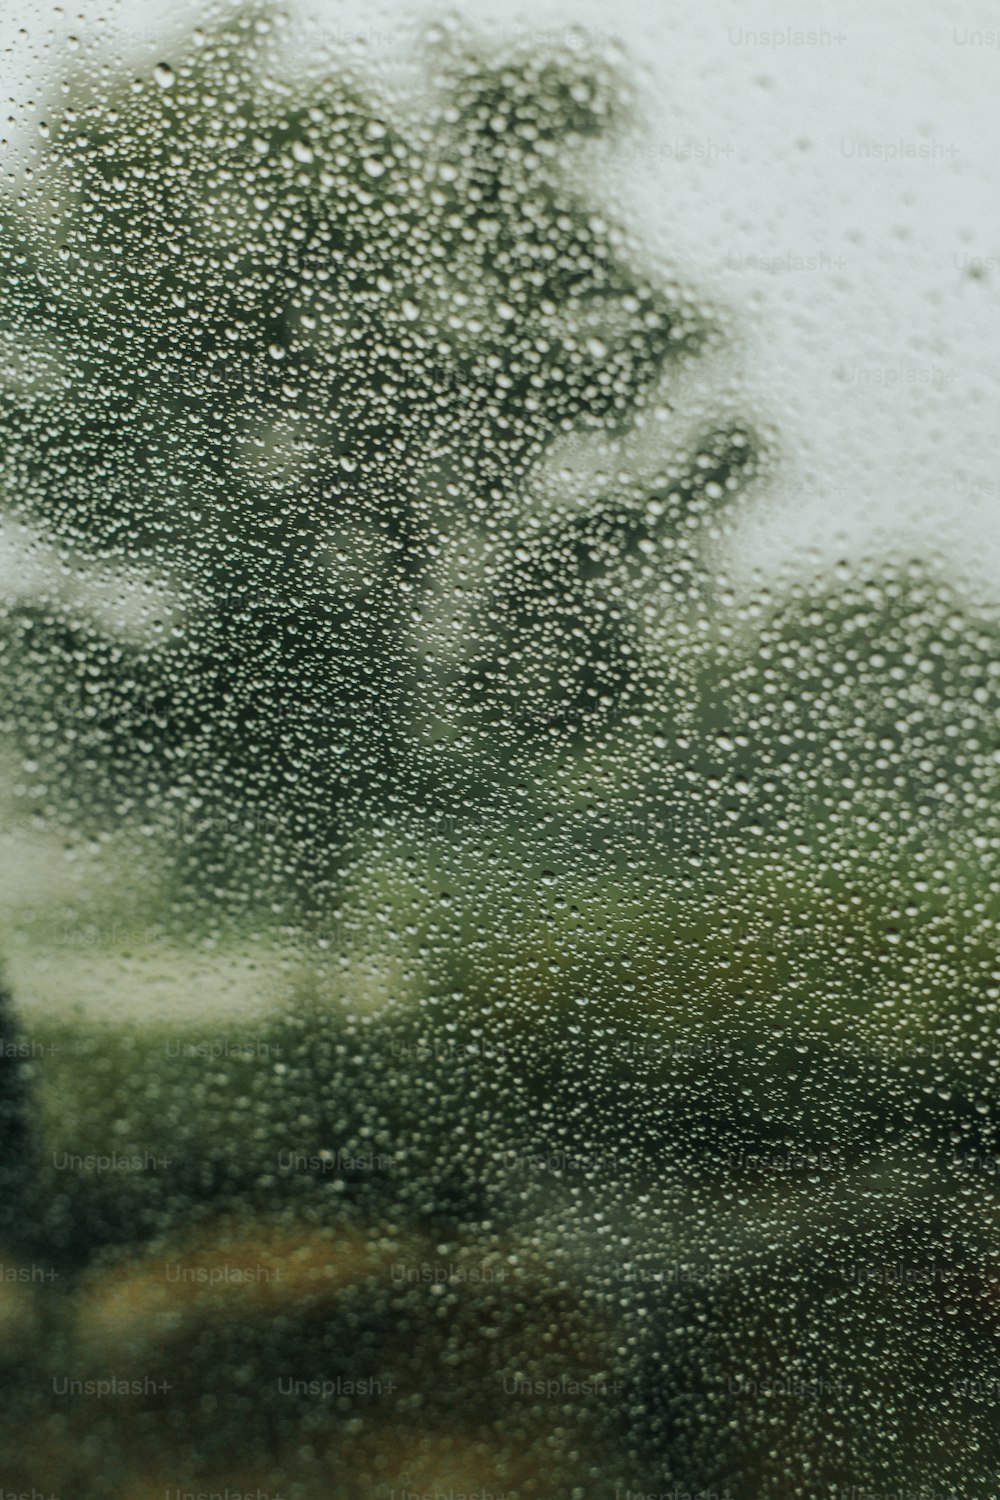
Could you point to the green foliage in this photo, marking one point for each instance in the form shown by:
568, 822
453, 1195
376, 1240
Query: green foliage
308, 366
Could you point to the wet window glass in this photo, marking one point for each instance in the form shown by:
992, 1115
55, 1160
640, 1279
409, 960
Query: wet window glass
499, 891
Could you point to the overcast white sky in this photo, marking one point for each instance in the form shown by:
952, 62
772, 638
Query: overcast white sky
837, 189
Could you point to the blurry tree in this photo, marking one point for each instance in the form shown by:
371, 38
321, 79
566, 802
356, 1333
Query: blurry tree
303, 367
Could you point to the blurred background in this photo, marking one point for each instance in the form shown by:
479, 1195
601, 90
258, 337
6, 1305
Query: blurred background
500, 719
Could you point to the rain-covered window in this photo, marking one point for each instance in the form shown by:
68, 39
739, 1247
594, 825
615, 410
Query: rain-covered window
499, 822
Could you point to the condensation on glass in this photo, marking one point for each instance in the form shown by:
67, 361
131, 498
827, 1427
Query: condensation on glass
498, 1001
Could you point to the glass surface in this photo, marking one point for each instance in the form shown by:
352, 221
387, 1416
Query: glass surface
499, 717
